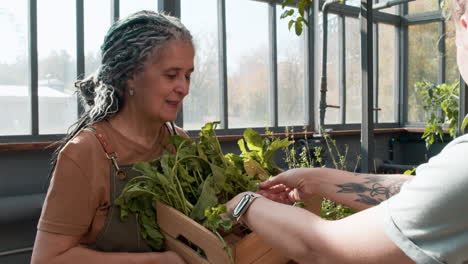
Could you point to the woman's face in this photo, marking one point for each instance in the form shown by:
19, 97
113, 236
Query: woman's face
164, 82
461, 28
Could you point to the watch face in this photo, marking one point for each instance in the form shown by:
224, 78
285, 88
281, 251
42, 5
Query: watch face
241, 205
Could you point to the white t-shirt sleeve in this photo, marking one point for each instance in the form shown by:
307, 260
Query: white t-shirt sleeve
428, 219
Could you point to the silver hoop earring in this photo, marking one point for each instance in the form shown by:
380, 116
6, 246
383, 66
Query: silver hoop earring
131, 92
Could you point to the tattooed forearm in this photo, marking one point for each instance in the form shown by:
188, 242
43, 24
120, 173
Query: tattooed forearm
374, 189
368, 200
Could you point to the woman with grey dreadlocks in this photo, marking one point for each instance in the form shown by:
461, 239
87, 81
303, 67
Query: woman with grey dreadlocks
131, 101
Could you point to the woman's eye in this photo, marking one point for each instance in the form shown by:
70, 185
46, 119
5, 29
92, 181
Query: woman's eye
171, 76
187, 77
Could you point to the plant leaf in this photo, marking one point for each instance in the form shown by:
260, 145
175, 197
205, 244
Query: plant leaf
464, 123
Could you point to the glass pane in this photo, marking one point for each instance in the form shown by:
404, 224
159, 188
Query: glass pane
390, 10
353, 71
422, 65
202, 103
96, 23
15, 102
387, 57
247, 63
451, 70
353, 2
128, 7
332, 115
57, 65
420, 6
290, 74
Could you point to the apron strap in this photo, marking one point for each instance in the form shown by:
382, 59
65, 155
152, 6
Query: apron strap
108, 149
172, 129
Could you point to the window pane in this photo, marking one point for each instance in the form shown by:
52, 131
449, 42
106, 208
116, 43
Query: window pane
390, 10
332, 115
247, 63
202, 103
15, 106
421, 65
57, 65
387, 55
357, 3
451, 53
353, 2
353, 71
96, 23
420, 6
128, 7
290, 74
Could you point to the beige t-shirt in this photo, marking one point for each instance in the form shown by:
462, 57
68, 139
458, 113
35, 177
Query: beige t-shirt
78, 198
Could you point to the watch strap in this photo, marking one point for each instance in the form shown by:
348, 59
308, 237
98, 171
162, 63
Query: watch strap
244, 204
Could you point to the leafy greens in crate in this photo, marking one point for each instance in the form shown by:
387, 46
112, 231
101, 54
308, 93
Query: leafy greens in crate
198, 180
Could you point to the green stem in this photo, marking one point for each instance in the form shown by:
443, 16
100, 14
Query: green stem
225, 245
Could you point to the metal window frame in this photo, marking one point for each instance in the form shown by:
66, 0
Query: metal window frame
400, 21
342, 67
273, 66
33, 75
379, 17
367, 47
80, 53
418, 19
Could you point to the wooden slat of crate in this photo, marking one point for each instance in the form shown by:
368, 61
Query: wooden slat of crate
247, 250
175, 224
184, 251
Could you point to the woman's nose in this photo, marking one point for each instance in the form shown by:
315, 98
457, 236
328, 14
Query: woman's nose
183, 86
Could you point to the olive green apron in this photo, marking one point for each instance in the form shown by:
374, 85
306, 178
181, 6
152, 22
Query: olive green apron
118, 235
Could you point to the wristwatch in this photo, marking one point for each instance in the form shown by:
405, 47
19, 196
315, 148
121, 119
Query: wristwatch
244, 204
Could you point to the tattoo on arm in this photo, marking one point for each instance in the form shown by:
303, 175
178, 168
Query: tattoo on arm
374, 190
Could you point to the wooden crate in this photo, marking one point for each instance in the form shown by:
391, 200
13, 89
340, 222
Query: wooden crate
249, 249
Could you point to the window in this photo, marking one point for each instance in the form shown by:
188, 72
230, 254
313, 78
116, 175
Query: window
332, 115
97, 21
248, 54
290, 74
422, 66
128, 7
353, 71
202, 103
387, 55
353, 2
247, 63
451, 68
14, 90
420, 6
57, 65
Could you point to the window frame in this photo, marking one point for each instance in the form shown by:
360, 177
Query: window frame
401, 21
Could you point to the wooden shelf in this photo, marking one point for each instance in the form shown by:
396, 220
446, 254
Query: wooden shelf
28, 146
51, 145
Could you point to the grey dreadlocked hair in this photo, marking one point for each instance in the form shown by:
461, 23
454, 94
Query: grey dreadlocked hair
128, 44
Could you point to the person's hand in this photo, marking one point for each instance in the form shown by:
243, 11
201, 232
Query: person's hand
290, 186
170, 257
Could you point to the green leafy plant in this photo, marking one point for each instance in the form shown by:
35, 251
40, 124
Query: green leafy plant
410, 172
329, 209
298, 18
440, 104
197, 180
